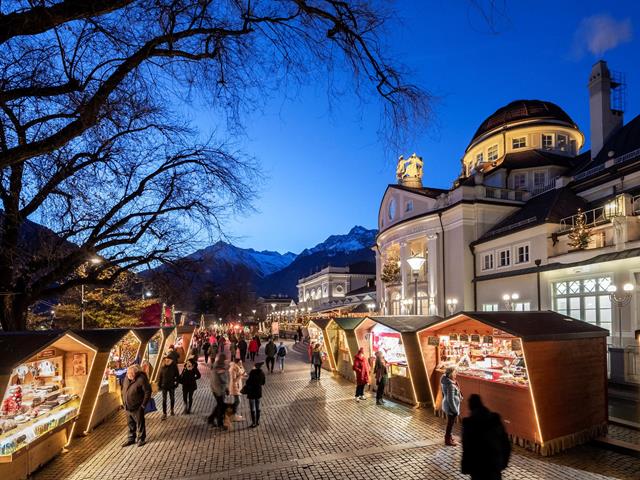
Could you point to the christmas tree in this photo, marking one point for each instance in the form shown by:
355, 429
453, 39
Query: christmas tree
580, 234
391, 269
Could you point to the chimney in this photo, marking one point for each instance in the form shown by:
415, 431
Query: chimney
604, 120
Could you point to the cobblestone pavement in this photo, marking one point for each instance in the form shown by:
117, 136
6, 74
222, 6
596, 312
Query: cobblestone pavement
308, 431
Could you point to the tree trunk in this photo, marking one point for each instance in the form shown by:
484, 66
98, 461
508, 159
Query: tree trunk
13, 314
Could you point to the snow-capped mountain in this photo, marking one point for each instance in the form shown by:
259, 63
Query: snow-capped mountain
262, 263
357, 239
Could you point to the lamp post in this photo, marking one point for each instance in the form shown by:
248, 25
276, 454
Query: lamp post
93, 261
620, 299
452, 303
416, 263
509, 299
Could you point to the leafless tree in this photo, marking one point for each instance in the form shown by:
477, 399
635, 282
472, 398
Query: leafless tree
93, 147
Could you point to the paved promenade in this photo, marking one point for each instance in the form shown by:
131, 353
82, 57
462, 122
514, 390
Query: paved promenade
308, 431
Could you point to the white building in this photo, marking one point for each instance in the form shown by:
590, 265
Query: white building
331, 287
505, 224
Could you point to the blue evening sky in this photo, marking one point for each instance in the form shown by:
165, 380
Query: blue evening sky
326, 168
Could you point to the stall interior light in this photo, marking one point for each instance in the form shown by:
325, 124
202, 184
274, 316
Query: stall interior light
533, 397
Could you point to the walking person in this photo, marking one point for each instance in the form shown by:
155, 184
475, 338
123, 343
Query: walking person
361, 367
136, 393
253, 349
270, 351
219, 384
253, 389
188, 378
451, 398
316, 361
236, 375
242, 346
381, 372
167, 382
282, 353
485, 444
205, 350
300, 337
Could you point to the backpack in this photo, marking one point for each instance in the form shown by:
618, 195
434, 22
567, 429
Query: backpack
282, 351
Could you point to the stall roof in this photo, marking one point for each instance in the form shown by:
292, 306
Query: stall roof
532, 326
185, 329
349, 323
145, 334
166, 331
321, 322
103, 338
17, 347
406, 323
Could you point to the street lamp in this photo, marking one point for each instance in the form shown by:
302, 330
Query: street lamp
510, 299
93, 261
621, 299
416, 263
452, 303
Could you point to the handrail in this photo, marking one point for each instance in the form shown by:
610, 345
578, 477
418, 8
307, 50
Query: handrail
594, 217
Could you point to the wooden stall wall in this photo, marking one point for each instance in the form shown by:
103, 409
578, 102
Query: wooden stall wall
415, 366
566, 374
346, 354
91, 393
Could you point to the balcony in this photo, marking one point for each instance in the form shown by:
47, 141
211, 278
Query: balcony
593, 218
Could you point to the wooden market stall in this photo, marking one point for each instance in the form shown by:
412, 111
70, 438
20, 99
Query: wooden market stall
396, 337
543, 372
43, 377
168, 336
318, 334
144, 335
184, 335
102, 396
344, 344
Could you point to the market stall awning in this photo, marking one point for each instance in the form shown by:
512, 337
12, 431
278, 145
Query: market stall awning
18, 347
321, 322
349, 323
185, 329
406, 323
166, 331
103, 339
531, 326
145, 334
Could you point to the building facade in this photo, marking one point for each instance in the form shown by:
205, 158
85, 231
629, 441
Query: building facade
532, 222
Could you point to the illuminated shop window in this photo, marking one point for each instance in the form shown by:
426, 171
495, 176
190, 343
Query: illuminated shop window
586, 299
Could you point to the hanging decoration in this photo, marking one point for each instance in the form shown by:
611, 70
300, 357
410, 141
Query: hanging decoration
580, 234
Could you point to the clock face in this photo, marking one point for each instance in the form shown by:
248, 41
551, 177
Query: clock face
392, 209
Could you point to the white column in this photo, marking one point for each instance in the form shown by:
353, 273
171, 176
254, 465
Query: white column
432, 262
403, 271
380, 296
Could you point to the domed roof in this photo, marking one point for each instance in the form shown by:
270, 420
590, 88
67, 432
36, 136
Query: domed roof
519, 110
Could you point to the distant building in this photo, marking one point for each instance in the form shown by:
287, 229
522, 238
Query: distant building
332, 287
530, 215
278, 304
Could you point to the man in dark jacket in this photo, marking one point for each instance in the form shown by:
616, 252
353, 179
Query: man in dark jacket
136, 392
168, 377
173, 354
242, 346
485, 444
270, 351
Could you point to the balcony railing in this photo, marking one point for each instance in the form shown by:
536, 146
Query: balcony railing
593, 218
504, 193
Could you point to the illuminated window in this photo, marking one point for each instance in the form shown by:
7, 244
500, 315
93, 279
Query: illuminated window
489, 307
522, 306
487, 261
586, 299
479, 158
522, 253
519, 142
547, 140
562, 142
492, 153
519, 181
504, 257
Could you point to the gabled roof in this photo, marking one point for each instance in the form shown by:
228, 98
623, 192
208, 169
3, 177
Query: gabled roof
17, 347
548, 207
625, 140
104, 339
406, 323
535, 326
145, 334
349, 323
321, 322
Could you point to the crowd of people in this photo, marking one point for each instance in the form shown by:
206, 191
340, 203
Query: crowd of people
486, 446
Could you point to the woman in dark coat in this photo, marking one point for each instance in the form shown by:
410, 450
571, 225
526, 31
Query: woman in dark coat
167, 382
253, 390
188, 378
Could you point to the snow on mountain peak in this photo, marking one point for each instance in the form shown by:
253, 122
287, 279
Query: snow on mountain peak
357, 239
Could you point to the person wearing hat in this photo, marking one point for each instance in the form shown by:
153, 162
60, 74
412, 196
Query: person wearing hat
168, 377
361, 368
253, 390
